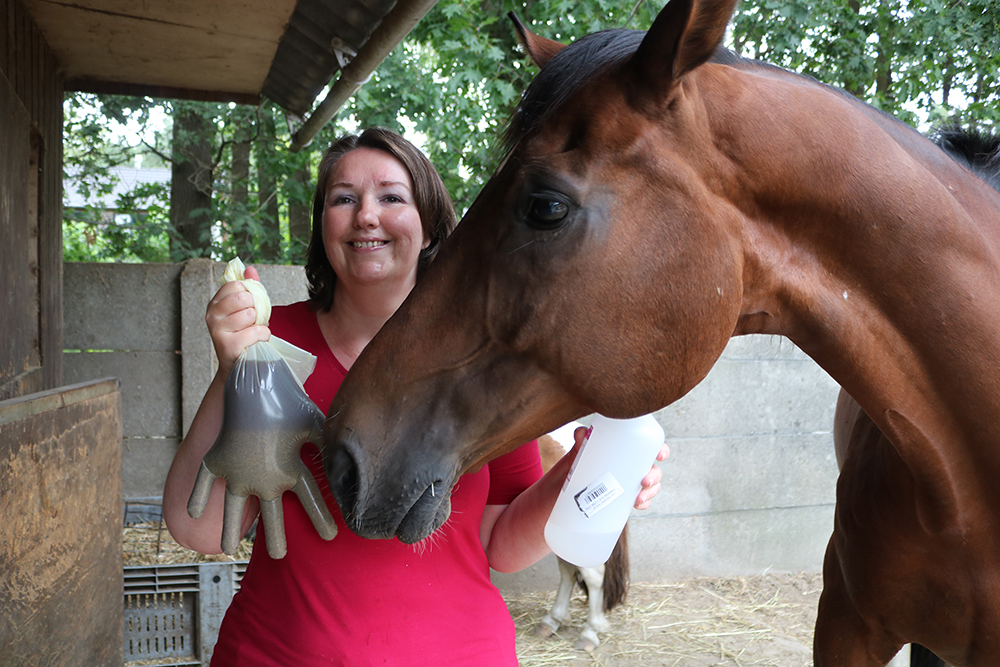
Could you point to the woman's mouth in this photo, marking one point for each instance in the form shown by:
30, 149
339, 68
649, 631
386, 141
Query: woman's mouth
367, 244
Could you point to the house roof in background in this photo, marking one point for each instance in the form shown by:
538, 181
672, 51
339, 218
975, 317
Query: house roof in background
123, 179
220, 50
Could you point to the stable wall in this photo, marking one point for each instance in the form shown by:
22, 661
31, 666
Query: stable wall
145, 324
60, 539
750, 483
749, 486
31, 95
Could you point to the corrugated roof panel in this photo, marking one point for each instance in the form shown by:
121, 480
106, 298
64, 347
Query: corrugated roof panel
305, 62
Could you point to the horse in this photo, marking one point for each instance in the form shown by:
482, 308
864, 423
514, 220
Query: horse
606, 586
658, 196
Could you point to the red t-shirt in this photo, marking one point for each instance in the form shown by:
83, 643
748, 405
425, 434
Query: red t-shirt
357, 602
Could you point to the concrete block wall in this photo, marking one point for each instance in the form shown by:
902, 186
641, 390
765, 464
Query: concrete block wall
145, 324
749, 486
750, 483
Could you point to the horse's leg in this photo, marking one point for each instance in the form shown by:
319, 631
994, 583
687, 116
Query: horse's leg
593, 577
560, 608
842, 637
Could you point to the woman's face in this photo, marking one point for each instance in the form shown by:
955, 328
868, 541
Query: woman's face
371, 227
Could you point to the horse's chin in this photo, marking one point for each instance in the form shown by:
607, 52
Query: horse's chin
425, 516
428, 513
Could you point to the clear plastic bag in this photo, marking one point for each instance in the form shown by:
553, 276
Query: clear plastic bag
267, 417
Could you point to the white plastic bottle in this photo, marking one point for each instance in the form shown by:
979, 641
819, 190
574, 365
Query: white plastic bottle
600, 490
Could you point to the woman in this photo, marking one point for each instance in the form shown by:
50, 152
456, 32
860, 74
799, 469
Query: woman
380, 214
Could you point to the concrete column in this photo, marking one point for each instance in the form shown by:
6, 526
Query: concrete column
198, 361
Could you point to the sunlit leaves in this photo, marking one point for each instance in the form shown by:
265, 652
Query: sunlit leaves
903, 56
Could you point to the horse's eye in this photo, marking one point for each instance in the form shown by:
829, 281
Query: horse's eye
546, 211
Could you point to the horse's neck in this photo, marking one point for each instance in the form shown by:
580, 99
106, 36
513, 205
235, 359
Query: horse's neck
880, 258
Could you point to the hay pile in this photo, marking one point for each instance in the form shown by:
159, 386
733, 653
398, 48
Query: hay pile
739, 621
150, 543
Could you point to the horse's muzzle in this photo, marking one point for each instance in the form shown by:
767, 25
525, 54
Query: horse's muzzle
382, 505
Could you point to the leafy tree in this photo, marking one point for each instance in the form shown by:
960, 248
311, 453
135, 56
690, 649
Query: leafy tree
212, 207
192, 178
924, 61
455, 80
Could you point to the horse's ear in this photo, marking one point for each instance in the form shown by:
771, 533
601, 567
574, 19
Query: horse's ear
683, 36
539, 49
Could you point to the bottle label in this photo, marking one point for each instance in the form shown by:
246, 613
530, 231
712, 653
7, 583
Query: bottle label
598, 495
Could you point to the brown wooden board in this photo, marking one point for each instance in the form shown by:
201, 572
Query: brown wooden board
19, 354
60, 538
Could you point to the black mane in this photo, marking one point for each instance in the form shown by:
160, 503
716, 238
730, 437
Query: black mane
979, 151
576, 64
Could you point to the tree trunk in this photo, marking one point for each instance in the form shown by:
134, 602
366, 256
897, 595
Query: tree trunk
270, 243
300, 215
884, 53
191, 185
239, 175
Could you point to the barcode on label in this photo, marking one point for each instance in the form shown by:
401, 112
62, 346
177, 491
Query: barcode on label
597, 495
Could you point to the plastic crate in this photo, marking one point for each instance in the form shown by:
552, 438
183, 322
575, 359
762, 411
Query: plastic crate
173, 612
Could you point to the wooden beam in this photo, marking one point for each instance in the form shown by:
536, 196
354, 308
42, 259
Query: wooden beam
145, 90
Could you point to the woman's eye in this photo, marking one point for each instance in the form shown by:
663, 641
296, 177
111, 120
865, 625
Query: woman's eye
340, 200
546, 211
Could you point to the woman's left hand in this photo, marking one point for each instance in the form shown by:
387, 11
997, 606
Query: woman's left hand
651, 482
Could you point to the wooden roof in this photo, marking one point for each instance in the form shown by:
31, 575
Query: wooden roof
223, 50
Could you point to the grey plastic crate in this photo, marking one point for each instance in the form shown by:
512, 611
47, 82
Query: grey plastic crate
173, 612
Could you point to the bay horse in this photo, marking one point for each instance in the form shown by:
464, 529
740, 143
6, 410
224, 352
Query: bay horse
660, 195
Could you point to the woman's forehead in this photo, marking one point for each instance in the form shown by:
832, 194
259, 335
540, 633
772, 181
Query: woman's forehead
369, 166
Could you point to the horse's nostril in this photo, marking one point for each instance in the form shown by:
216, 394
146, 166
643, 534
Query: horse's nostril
342, 472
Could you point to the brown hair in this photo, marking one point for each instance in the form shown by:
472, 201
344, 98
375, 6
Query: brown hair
437, 213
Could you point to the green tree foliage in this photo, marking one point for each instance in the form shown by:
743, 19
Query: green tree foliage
924, 61
453, 83
220, 156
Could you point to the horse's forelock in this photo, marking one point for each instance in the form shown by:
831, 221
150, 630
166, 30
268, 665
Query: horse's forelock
578, 63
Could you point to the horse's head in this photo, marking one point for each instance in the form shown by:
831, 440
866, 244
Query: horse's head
597, 271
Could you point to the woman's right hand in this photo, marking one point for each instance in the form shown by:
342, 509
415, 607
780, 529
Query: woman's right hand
230, 317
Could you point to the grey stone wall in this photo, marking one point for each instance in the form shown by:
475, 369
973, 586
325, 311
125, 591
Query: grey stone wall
145, 324
749, 486
750, 483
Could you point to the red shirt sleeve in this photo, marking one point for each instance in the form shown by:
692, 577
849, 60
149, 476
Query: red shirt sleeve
514, 472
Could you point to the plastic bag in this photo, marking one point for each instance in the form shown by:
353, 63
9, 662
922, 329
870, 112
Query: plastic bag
267, 417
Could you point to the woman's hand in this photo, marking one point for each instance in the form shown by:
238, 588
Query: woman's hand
650, 484
230, 317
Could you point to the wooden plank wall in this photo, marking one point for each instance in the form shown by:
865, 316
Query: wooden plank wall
61, 577
30, 72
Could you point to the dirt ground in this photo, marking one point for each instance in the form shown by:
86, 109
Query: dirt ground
740, 621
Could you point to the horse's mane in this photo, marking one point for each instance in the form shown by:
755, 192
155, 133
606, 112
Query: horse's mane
584, 59
979, 151
573, 66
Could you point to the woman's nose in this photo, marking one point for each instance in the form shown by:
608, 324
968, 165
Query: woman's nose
367, 214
